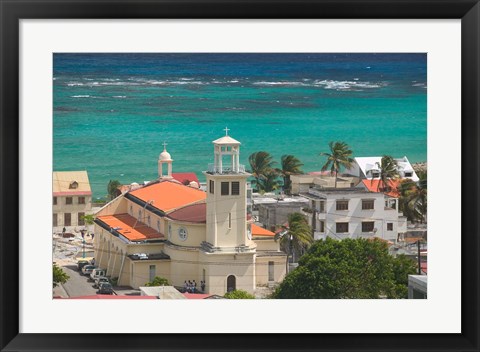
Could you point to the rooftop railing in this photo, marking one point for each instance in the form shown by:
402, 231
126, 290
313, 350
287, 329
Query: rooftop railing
225, 169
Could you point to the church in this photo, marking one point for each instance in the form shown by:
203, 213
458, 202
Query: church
183, 233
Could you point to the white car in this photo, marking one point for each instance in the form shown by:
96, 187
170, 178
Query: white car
87, 269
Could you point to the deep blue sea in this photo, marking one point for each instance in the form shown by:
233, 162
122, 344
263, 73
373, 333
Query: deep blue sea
112, 112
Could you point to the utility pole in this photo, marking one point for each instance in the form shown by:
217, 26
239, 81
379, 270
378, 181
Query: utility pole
419, 261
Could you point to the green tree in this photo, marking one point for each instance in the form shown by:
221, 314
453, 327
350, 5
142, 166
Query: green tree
112, 188
158, 281
298, 237
59, 276
261, 164
402, 267
290, 166
238, 294
269, 182
339, 156
388, 171
351, 268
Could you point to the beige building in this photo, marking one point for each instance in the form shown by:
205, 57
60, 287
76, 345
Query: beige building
182, 233
72, 199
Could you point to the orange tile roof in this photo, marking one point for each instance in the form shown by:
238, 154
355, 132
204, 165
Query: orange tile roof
260, 231
123, 224
372, 186
192, 213
168, 196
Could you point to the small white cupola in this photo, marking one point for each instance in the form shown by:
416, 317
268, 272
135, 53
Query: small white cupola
227, 156
164, 158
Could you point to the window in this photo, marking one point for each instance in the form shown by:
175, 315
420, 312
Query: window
225, 188
55, 220
148, 220
73, 185
68, 200
389, 226
368, 204
54, 200
152, 272
81, 220
235, 188
67, 219
368, 226
322, 226
408, 174
229, 220
81, 200
322, 207
375, 174
212, 187
158, 225
342, 227
271, 276
342, 204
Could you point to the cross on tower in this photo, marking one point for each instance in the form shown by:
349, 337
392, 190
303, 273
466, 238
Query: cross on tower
226, 129
165, 146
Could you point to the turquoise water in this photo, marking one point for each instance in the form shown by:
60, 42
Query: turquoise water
112, 112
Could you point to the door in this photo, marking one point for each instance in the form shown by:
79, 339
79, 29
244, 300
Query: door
231, 283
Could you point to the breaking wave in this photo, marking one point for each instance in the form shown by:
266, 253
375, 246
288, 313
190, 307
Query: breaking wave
354, 84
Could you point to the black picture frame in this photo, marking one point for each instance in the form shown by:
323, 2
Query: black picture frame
12, 11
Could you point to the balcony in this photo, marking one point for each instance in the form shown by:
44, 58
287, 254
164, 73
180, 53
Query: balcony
212, 169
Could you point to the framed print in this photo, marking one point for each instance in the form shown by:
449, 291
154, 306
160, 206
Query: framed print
126, 98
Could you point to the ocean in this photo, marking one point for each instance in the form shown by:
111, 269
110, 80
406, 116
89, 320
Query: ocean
112, 112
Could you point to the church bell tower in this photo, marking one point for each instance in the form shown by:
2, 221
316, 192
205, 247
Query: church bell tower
227, 223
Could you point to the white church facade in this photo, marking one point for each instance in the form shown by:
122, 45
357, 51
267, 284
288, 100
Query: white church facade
182, 233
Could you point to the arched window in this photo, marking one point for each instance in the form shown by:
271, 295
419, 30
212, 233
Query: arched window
231, 283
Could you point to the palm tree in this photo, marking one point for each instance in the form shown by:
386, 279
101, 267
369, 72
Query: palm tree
290, 166
112, 188
405, 188
298, 236
338, 157
269, 182
388, 171
261, 163
417, 199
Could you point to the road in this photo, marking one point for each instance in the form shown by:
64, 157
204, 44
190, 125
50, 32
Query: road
77, 285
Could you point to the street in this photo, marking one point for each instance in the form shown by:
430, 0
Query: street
77, 285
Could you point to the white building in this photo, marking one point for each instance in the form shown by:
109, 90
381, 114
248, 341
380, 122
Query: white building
367, 167
354, 213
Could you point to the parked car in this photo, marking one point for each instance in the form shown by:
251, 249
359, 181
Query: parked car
100, 280
97, 273
81, 263
106, 288
87, 269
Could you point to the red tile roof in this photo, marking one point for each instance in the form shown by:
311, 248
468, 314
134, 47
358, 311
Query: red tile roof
185, 176
260, 231
123, 224
196, 295
168, 196
372, 186
191, 213
111, 297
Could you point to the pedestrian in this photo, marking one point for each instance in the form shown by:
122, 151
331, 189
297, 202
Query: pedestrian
64, 230
194, 286
202, 285
185, 286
